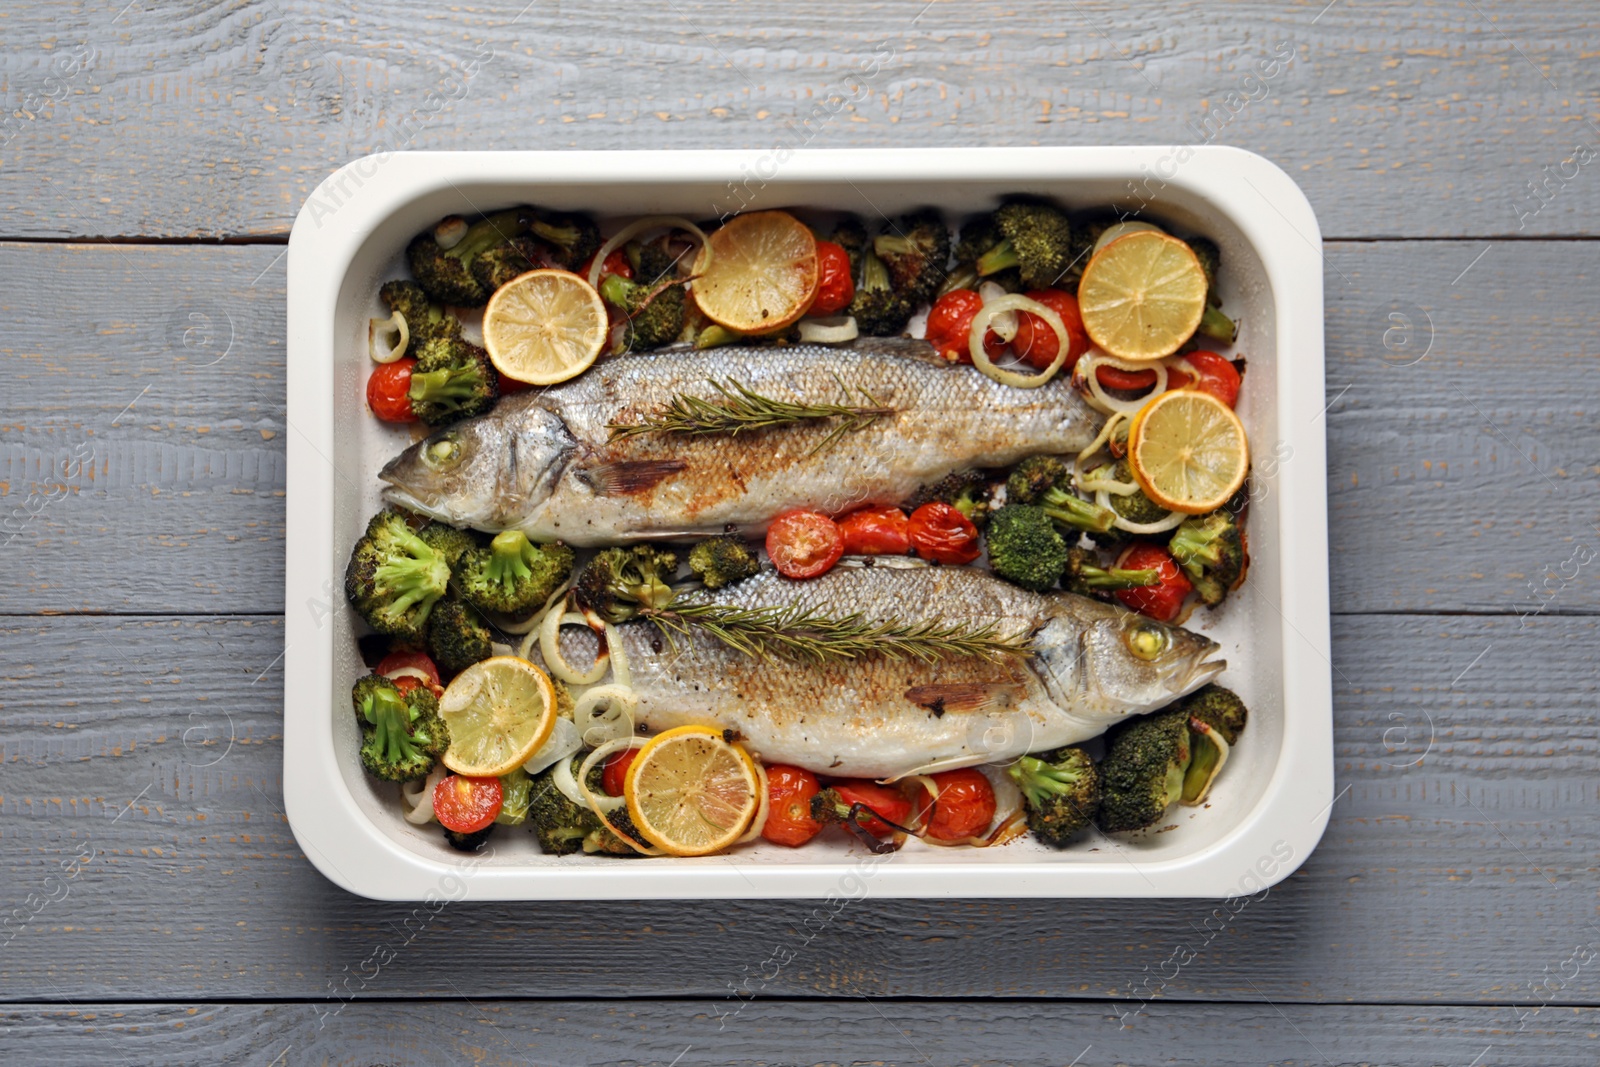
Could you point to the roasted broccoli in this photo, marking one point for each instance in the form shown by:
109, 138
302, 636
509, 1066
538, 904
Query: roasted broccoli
516, 791
563, 826
1025, 548
452, 380
1220, 708
1061, 791
1046, 481
1210, 550
394, 577
1086, 577
1216, 718
722, 561
498, 265
915, 253
966, 491
425, 319
617, 582
442, 261
1213, 323
1134, 506
879, 310
1143, 770
457, 636
1032, 237
569, 238
401, 733
448, 541
654, 312
512, 576
851, 236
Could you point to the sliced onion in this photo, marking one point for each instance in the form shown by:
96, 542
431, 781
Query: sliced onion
600, 805
1004, 325
633, 229
449, 231
834, 330
616, 722
532, 622
980, 326
562, 744
1122, 229
1104, 401
619, 658
763, 805
499, 648
1013, 826
1173, 518
378, 329
419, 807
550, 646
409, 672
566, 784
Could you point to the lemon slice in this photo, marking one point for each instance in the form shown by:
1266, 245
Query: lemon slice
1142, 295
544, 327
690, 792
499, 712
1188, 451
762, 273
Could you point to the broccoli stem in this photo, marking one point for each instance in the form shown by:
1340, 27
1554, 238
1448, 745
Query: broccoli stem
874, 274
1217, 326
421, 575
1197, 544
1039, 781
391, 720
448, 386
484, 235
617, 290
1115, 578
509, 562
998, 258
715, 336
565, 236
1076, 512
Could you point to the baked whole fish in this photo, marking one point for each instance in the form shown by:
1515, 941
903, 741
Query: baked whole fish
878, 717
545, 462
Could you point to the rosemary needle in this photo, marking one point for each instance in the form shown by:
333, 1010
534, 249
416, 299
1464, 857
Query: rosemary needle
739, 409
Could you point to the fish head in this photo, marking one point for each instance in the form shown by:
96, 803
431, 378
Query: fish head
1105, 656
488, 472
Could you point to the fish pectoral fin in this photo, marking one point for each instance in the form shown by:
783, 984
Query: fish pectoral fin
965, 697
626, 477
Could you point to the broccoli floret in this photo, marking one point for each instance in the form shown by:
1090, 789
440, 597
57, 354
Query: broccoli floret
468, 842
402, 734
915, 254
722, 561
1213, 323
962, 276
516, 791
457, 636
1046, 482
1210, 550
655, 312
1217, 326
394, 578
1135, 506
498, 265
452, 380
1220, 708
448, 541
617, 582
563, 827
1025, 548
512, 576
966, 491
445, 274
878, 309
656, 261
1143, 771
569, 238
1032, 237
425, 319
1085, 577
1061, 791
851, 236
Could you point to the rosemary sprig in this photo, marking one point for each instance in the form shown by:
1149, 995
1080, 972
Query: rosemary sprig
741, 409
808, 635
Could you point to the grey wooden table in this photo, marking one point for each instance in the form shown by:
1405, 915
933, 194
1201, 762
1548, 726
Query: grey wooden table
152, 158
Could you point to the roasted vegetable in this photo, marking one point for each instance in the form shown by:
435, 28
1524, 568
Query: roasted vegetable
722, 561
394, 578
512, 576
1061, 791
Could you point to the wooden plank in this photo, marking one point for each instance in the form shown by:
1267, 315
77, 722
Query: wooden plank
1459, 865
1436, 121
786, 1033
1459, 482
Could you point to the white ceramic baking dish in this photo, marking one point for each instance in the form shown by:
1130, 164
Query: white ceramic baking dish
1269, 808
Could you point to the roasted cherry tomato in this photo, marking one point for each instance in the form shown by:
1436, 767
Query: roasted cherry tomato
789, 793
1164, 600
1035, 342
1130, 380
804, 544
879, 799
466, 805
1217, 376
950, 327
965, 807
418, 661
616, 772
942, 534
875, 531
835, 287
616, 263
389, 391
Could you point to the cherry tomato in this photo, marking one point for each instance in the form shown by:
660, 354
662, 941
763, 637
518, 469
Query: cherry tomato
875, 531
403, 658
789, 793
836, 287
965, 807
1035, 342
950, 327
880, 799
616, 263
1164, 600
1130, 380
466, 805
942, 534
1217, 376
804, 544
616, 772
389, 391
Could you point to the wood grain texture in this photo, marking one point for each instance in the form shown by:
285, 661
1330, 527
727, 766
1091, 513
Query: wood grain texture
218, 120
1462, 482
789, 1033
1459, 865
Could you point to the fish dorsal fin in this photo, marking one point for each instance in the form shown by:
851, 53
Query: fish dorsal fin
965, 698
626, 477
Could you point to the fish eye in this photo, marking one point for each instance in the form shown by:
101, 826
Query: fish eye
443, 452
1146, 640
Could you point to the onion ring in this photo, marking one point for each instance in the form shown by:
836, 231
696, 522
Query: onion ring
833, 330
638, 226
980, 325
616, 723
377, 327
